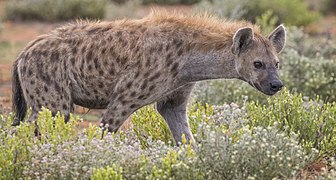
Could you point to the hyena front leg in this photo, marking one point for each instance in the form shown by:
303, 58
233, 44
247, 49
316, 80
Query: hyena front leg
122, 104
117, 113
173, 109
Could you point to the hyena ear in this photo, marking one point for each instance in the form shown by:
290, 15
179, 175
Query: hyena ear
278, 38
242, 40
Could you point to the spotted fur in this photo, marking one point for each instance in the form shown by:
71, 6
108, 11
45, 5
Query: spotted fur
124, 65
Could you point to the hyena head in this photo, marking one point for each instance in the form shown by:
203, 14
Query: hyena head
256, 58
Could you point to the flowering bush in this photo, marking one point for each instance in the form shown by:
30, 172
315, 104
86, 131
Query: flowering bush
224, 148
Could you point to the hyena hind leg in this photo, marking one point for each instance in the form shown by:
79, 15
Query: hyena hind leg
173, 109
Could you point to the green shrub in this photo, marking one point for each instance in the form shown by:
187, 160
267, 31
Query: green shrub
231, 9
170, 1
108, 173
313, 121
148, 123
291, 12
54, 10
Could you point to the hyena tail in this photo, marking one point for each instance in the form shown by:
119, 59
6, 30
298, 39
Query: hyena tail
18, 101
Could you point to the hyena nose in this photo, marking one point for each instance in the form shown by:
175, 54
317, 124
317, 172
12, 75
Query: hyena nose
276, 85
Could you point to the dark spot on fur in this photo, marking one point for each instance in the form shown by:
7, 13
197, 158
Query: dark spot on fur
24, 69
141, 97
143, 29
105, 29
89, 56
54, 57
123, 113
155, 76
111, 71
44, 53
160, 48
38, 104
151, 50
137, 74
177, 43
101, 85
96, 64
129, 84
133, 94
179, 52
53, 105
146, 74
169, 58
31, 97
174, 67
30, 72
74, 50
123, 43
144, 84
32, 82
46, 78
73, 61
175, 74
43, 98
151, 87
188, 47
46, 89
116, 123
83, 49
90, 67
57, 87
136, 50
123, 60
120, 98
148, 62
37, 91
103, 51
94, 30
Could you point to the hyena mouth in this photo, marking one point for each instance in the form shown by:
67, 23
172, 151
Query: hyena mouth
259, 88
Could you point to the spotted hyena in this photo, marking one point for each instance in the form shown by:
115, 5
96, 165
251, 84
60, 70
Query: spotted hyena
124, 65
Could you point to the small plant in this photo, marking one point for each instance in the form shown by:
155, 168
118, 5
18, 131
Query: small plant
55, 10
290, 12
170, 1
148, 123
107, 173
231, 9
267, 21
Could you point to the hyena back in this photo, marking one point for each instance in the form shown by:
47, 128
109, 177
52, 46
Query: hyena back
124, 65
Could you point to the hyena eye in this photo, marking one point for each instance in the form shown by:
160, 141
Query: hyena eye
257, 64
277, 65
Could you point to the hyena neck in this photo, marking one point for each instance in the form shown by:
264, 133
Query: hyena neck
214, 64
